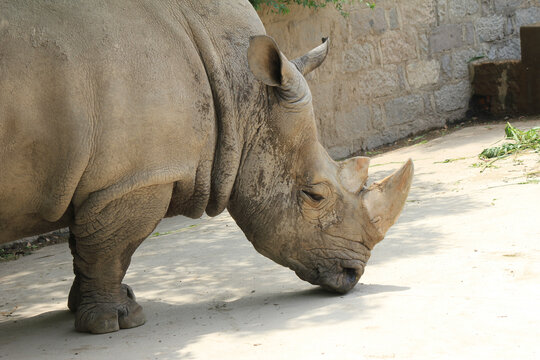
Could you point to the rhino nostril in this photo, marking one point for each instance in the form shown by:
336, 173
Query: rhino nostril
350, 274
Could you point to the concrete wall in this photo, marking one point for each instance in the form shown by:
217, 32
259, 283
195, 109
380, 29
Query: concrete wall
400, 68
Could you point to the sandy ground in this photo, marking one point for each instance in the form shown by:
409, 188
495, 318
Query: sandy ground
458, 277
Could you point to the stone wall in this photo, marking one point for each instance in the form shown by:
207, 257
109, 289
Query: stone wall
398, 69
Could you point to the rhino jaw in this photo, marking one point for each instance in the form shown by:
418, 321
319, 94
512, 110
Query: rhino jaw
384, 200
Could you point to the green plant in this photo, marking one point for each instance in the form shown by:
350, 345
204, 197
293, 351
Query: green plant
474, 58
520, 140
485, 165
446, 161
281, 6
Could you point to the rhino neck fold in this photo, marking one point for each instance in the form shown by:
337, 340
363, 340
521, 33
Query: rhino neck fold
234, 89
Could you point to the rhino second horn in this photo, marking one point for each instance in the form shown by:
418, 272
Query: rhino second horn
313, 59
354, 172
385, 200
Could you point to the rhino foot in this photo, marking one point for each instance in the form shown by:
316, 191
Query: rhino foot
74, 299
103, 317
100, 318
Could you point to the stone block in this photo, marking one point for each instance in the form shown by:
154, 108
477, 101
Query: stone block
505, 50
397, 46
357, 57
527, 16
453, 96
340, 152
445, 37
423, 45
378, 20
441, 11
380, 133
283, 38
320, 92
460, 62
468, 33
506, 7
417, 12
378, 82
359, 21
403, 109
353, 124
302, 35
423, 73
367, 21
487, 7
460, 8
508, 50
421, 123
509, 28
403, 84
490, 28
393, 19
446, 65
429, 103
377, 116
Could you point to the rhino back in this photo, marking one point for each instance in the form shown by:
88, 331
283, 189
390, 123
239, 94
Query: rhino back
97, 98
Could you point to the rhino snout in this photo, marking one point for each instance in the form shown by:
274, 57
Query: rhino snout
341, 281
338, 278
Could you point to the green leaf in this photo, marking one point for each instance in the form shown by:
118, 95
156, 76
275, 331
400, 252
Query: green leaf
522, 140
474, 58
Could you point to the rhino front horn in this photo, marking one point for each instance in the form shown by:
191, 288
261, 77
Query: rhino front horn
385, 200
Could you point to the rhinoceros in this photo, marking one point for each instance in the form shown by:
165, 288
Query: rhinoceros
117, 113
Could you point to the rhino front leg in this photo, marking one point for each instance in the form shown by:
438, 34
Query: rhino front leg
74, 298
102, 245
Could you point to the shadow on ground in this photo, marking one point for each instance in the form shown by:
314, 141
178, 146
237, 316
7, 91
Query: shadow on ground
200, 278
174, 323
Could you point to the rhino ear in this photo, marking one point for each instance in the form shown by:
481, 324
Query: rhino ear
312, 59
267, 62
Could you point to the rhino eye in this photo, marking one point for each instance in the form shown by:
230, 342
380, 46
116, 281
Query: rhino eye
313, 196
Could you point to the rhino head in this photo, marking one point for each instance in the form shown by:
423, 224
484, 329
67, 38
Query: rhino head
295, 204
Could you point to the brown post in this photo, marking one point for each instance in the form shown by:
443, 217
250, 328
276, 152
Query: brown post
530, 77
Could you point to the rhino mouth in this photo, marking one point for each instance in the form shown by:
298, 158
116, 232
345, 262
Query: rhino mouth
339, 278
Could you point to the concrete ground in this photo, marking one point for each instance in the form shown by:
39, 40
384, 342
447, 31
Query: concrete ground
458, 277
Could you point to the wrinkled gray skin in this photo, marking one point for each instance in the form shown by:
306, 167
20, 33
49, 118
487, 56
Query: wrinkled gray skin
114, 114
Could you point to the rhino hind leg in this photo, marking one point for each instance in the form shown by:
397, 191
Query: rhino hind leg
102, 245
